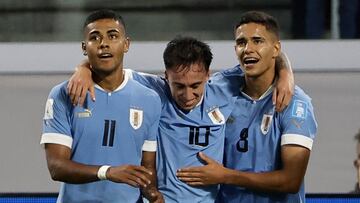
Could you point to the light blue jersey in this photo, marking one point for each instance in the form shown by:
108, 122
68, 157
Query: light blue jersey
183, 135
114, 131
254, 136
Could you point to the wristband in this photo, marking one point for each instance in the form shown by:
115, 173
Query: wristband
101, 174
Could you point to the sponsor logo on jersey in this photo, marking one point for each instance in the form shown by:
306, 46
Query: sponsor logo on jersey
216, 116
49, 110
266, 123
299, 109
136, 118
85, 114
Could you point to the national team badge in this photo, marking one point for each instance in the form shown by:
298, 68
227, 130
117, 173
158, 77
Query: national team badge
216, 116
136, 118
299, 109
49, 110
266, 123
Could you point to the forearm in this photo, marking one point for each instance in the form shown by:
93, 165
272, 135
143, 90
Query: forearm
283, 66
148, 161
71, 172
275, 181
282, 62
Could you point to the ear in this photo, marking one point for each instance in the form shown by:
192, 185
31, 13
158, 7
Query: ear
166, 75
127, 44
83, 47
277, 49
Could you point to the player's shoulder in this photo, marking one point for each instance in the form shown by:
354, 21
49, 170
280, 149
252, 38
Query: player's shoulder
139, 89
227, 81
234, 74
300, 94
59, 89
235, 71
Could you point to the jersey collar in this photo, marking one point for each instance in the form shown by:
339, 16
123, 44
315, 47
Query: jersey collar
121, 86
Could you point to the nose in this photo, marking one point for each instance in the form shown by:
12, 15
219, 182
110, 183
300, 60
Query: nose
188, 94
104, 43
249, 47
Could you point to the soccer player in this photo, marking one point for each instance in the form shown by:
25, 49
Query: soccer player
266, 152
194, 111
105, 150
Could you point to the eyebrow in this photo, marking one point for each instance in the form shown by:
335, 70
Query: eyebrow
181, 84
109, 31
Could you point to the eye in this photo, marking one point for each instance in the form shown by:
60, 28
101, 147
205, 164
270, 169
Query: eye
241, 42
94, 38
258, 41
195, 86
113, 36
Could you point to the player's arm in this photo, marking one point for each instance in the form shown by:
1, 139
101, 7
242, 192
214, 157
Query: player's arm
63, 169
151, 192
80, 82
286, 180
284, 87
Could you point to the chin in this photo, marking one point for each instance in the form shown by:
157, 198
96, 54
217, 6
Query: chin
186, 108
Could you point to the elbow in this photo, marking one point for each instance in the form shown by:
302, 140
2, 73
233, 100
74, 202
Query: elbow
55, 175
292, 188
55, 171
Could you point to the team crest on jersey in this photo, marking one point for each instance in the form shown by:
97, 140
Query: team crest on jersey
266, 123
49, 110
216, 116
136, 118
299, 109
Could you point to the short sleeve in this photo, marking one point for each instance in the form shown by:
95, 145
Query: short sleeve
298, 123
56, 122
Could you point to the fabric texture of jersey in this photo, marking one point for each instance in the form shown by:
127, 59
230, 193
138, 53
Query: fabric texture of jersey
254, 136
114, 131
182, 135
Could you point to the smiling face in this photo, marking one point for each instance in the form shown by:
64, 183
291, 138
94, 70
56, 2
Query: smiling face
187, 84
256, 49
105, 44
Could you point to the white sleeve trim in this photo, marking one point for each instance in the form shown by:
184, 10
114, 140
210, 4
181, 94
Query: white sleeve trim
56, 138
297, 140
149, 146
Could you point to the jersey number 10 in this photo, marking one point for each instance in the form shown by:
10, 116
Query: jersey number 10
194, 136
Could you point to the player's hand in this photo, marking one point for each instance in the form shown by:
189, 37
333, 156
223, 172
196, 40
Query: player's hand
136, 176
80, 82
283, 92
153, 195
210, 174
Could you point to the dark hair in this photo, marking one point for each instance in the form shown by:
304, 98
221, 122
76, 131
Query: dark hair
103, 14
259, 17
184, 51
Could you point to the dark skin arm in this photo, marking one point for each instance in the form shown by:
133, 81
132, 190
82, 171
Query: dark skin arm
81, 81
150, 192
286, 180
62, 168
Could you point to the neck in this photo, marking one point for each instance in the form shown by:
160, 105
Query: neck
256, 86
109, 81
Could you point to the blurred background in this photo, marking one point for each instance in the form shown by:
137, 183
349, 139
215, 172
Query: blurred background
61, 20
40, 47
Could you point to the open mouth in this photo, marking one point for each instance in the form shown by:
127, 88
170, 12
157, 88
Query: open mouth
105, 55
250, 60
